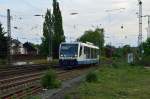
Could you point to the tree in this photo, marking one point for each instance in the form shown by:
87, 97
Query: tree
146, 55
58, 36
47, 34
126, 49
109, 51
52, 28
146, 47
3, 43
96, 37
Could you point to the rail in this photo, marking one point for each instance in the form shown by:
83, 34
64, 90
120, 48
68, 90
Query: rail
12, 71
18, 85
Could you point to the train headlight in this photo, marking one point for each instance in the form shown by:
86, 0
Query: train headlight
75, 55
61, 55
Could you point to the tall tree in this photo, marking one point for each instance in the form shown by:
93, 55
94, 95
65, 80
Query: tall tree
58, 36
53, 25
3, 43
96, 37
146, 47
47, 34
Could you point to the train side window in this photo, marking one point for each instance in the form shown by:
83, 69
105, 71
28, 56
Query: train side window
92, 52
80, 50
85, 51
89, 52
95, 55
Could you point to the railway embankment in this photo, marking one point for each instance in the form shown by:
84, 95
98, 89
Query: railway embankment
18, 85
60, 93
116, 81
69, 81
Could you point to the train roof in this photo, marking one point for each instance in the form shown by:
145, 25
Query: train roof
84, 44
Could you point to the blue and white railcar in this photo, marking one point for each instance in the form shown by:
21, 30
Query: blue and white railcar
77, 53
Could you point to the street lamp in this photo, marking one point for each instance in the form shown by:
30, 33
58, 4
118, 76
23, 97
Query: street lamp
74, 13
140, 29
74, 26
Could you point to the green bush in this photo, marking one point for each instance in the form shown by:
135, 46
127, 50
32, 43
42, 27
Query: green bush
133, 64
49, 80
67, 97
2, 62
115, 65
145, 61
32, 97
92, 77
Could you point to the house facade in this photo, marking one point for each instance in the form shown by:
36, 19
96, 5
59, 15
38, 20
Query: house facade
17, 48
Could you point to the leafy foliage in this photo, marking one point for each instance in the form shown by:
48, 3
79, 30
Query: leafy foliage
3, 61
67, 96
3, 43
145, 61
146, 47
146, 55
124, 82
52, 28
118, 52
49, 80
109, 51
126, 49
47, 33
96, 37
92, 77
58, 36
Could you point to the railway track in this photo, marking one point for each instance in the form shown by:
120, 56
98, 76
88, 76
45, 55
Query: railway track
27, 84
20, 70
16, 85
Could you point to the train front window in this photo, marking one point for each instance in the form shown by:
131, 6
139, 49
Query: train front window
69, 50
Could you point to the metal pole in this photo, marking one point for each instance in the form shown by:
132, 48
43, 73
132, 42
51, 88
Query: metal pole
140, 23
49, 43
9, 36
140, 31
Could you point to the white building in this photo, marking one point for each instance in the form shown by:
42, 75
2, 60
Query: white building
17, 47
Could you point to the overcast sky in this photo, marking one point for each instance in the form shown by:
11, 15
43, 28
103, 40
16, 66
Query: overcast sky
91, 14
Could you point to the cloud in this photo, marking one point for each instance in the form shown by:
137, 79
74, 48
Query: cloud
91, 13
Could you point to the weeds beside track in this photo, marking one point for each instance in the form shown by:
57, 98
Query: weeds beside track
23, 85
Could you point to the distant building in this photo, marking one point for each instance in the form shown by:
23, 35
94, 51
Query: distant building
17, 48
30, 49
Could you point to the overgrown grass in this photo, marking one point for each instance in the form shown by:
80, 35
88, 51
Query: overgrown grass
31, 97
145, 61
92, 77
3, 63
123, 82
